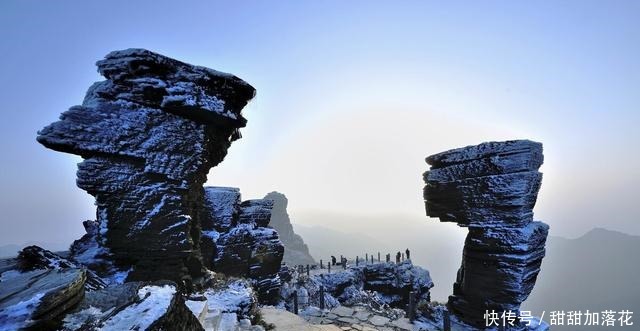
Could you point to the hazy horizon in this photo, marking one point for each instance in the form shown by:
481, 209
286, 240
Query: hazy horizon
351, 97
351, 224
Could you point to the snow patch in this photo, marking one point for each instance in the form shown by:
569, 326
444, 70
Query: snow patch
186, 219
214, 235
16, 316
118, 277
152, 213
10, 274
76, 320
155, 303
235, 298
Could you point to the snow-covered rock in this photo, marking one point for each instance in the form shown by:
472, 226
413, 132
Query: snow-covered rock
133, 306
492, 189
242, 243
396, 281
380, 286
34, 258
236, 296
39, 298
149, 134
230, 304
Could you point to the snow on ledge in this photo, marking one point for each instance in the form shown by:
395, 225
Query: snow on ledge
155, 303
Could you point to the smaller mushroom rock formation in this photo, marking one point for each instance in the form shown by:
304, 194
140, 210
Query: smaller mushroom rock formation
296, 251
148, 135
490, 188
241, 242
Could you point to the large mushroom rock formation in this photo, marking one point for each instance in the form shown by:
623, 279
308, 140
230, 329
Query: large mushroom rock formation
148, 135
490, 188
241, 242
296, 251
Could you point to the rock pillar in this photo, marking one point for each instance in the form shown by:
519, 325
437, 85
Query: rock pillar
490, 188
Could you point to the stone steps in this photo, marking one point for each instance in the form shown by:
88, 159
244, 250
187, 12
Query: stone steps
357, 318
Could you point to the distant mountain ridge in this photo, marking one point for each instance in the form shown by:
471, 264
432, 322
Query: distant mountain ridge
597, 271
296, 251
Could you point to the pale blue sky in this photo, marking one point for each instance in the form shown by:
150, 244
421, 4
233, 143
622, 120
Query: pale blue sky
351, 97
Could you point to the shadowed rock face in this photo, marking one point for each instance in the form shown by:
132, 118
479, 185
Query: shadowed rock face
492, 189
243, 244
296, 251
149, 134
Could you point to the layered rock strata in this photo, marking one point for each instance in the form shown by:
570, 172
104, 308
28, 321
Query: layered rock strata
296, 252
36, 258
41, 290
148, 135
244, 244
490, 188
38, 299
133, 306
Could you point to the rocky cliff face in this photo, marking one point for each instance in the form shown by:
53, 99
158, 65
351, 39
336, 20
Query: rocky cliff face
296, 251
490, 188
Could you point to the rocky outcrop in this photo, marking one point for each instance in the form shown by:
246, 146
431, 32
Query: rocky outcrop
40, 290
38, 299
133, 306
37, 258
396, 281
148, 135
296, 251
380, 285
56, 298
244, 244
490, 188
